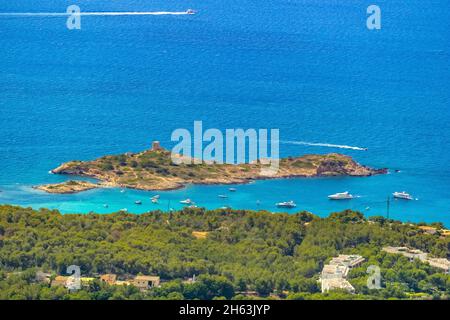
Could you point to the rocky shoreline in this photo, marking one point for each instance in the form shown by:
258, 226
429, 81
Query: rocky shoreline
154, 170
67, 187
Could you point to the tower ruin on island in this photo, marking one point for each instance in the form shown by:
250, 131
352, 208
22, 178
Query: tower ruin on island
156, 146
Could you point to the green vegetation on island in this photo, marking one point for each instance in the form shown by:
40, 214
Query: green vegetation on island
232, 254
154, 170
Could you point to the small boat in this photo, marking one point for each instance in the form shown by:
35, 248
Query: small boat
258, 202
154, 201
193, 206
225, 208
190, 11
287, 204
123, 210
222, 196
232, 189
155, 197
341, 196
402, 195
122, 191
187, 201
138, 202
105, 205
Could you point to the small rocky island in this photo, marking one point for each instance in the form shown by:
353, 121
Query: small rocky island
72, 186
154, 170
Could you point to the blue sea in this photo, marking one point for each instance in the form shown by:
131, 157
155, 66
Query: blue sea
310, 68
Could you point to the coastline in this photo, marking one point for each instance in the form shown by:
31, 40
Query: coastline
153, 170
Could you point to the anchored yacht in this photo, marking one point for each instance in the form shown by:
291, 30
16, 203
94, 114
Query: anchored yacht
402, 195
341, 196
287, 204
187, 201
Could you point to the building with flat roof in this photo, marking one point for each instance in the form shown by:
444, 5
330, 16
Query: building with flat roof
337, 284
334, 274
109, 278
146, 282
412, 254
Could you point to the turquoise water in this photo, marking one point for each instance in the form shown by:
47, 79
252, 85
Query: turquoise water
311, 69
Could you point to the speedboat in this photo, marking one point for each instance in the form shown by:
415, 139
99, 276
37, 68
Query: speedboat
155, 197
222, 196
341, 196
287, 204
402, 195
138, 202
190, 11
155, 201
232, 189
187, 201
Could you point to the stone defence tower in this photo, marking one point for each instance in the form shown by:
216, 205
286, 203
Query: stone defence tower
156, 146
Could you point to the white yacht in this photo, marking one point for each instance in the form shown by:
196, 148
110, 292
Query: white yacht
402, 195
187, 201
341, 196
287, 204
190, 11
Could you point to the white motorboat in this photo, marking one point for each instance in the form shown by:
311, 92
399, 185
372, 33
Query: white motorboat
222, 196
402, 195
232, 189
287, 204
190, 11
341, 196
154, 201
187, 201
138, 202
155, 197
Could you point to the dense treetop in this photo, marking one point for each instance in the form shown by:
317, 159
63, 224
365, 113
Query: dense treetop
273, 254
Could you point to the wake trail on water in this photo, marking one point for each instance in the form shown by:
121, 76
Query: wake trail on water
328, 145
60, 14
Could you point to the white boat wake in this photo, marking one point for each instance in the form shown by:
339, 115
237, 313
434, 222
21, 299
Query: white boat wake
328, 145
63, 14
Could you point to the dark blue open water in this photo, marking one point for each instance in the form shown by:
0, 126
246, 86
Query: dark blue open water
310, 68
